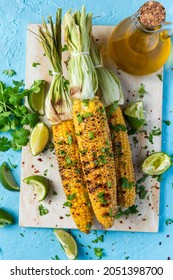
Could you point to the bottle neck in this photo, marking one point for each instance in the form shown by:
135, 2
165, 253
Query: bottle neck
143, 40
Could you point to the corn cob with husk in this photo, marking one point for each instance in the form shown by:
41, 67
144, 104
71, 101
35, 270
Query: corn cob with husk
90, 120
59, 112
111, 95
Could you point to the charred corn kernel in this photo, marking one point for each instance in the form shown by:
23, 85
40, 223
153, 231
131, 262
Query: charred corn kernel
97, 158
126, 192
72, 175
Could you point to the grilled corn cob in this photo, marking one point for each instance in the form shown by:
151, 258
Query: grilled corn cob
59, 113
126, 192
97, 157
72, 175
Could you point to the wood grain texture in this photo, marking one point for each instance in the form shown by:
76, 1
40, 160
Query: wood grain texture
147, 219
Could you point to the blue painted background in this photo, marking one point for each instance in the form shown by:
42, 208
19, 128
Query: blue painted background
30, 243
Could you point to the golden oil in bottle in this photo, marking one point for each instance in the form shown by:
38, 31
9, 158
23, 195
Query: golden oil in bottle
137, 48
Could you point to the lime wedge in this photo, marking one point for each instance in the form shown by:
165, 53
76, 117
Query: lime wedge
68, 243
36, 99
156, 163
135, 114
40, 184
6, 178
5, 218
39, 138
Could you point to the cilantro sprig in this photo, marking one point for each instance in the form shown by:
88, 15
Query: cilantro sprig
14, 115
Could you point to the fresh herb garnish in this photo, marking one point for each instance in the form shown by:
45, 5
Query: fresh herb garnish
67, 204
118, 127
91, 135
169, 221
64, 48
130, 211
167, 122
135, 140
69, 139
98, 252
101, 197
42, 210
9, 73
99, 239
125, 184
71, 196
35, 64
142, 90
154, 132
160, 77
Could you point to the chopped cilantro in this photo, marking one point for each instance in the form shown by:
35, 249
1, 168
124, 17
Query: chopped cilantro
85, 102
98, 252
64, 48
135, 140
91, 135
169, 221
67, 204
80, 119
130, 211
54, 193
118, 127
98, 239
5, 144
9, 73
35, 64
101, 197
50, 73
160, 77
142, 90
55, 258
125, 184
167, 122
42, 210
70, 139
71, 196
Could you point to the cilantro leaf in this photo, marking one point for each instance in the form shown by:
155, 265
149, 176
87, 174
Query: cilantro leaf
5, 144
20, 138
142, 90
35, 64
9, 73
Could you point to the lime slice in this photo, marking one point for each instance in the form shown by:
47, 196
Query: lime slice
36, 99
135, 114
39, 138
40, 184
5, 218
6, 178
156, 163
68, 243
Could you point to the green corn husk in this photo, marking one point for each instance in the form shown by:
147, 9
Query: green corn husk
109, 87
58, 105
77, 32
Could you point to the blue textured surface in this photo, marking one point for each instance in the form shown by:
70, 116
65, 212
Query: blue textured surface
28, 243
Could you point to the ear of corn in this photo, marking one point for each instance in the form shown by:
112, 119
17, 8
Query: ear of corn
126, 192
72, 175
59, 113
97, 158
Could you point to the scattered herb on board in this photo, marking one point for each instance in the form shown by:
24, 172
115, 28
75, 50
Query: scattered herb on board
9, 73
169, 221
42, 210
167, 122
35, 64
160, 77
154, 132
130, 211
140, 189
135, 140
142, 91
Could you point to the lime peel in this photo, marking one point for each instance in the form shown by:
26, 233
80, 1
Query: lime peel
156, 163
6, 178
68, 243
135, 114
39, 138
40, 184
5, 218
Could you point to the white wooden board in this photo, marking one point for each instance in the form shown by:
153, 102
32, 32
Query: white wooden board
147, 218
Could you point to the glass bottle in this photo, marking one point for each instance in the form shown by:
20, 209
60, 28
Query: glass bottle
140, 45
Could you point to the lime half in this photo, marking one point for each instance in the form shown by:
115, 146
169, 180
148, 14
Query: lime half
36, 99
68, 243
156, 163
5, 218
39, 138
135, 114
6, 178
40, 184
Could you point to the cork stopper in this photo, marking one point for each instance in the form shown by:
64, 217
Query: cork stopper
152, 14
